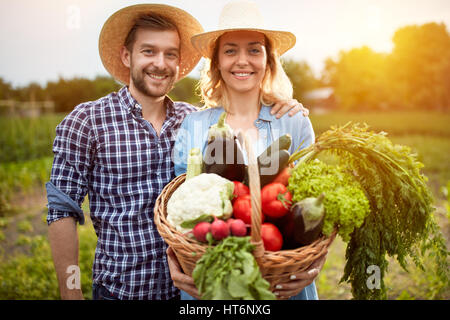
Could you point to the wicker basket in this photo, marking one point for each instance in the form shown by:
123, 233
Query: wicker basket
276, 266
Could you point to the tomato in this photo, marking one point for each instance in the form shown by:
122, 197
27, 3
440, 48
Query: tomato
271, 237
242, 209
240, 189
276, 200
283, 176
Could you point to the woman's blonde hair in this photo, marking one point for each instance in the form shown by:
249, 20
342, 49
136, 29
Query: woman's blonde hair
275, 85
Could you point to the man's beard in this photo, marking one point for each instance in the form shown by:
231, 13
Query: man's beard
138, 78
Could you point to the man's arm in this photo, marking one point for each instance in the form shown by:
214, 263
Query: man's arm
63, 237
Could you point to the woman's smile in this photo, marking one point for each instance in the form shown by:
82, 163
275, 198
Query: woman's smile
242, 75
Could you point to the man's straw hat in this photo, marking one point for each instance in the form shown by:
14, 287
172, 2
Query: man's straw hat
117, 27
238, 16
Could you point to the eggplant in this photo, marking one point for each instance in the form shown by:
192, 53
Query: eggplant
303, 224
223, 154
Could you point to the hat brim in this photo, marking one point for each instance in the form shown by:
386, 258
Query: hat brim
116, 29
281, 41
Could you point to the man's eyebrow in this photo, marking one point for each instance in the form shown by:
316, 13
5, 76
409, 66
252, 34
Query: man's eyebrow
149, 45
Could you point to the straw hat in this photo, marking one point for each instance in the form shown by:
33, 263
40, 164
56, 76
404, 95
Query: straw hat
117, 27
242, 15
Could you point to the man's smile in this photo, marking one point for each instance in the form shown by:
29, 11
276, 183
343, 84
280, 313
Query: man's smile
156, 76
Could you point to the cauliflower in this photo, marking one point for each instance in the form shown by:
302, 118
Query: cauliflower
205, 194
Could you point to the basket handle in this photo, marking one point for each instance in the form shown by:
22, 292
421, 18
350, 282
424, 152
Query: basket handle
255, 195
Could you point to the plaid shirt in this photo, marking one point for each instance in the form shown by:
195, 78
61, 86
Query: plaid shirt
107, 150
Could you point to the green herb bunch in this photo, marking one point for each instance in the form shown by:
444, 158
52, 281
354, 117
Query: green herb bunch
401, 221
345, 203
228, 271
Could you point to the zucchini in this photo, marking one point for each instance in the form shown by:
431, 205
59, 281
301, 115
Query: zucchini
282, 143
270, 167
194, 163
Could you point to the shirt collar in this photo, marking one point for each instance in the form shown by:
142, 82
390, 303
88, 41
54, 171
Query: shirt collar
135, 108
264, 114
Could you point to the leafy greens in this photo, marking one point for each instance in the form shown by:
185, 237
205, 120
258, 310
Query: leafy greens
401, 221
228, 271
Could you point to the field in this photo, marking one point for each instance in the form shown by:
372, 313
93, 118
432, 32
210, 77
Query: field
26, 268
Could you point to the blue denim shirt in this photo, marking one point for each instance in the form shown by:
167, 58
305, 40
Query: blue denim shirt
193, 132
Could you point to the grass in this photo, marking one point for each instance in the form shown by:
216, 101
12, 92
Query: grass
24, 139
32, 276
434, 153
394, 123
401, 284
21, 177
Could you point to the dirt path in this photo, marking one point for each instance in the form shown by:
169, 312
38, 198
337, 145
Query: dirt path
27, 221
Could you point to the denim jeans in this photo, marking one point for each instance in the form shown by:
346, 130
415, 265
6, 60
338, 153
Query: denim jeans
308, 293
99, 292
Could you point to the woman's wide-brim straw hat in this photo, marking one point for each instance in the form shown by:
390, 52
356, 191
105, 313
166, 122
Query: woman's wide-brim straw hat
240, 16
116, 29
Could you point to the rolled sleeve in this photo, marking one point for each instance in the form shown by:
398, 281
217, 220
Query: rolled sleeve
73, 150
61, 205
55, 215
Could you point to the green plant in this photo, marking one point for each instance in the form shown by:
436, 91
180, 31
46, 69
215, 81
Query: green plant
401, 222
33, 277
24, 226
22, 177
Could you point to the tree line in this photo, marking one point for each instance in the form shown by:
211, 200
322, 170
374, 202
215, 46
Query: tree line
414, 76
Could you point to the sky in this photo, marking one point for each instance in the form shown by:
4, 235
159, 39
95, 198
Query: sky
42, 40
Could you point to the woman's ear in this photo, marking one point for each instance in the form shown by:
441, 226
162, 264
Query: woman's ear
125, 56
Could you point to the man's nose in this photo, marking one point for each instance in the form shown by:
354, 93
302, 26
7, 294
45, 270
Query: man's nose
159, 61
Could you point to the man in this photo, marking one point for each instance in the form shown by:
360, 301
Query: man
118, 151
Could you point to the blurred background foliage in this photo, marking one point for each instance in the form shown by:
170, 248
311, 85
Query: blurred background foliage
414, 76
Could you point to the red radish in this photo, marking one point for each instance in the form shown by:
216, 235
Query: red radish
230, 221
238, 228
219, 229
200, 230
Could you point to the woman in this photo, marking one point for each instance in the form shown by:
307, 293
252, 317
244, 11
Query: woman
243, 77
